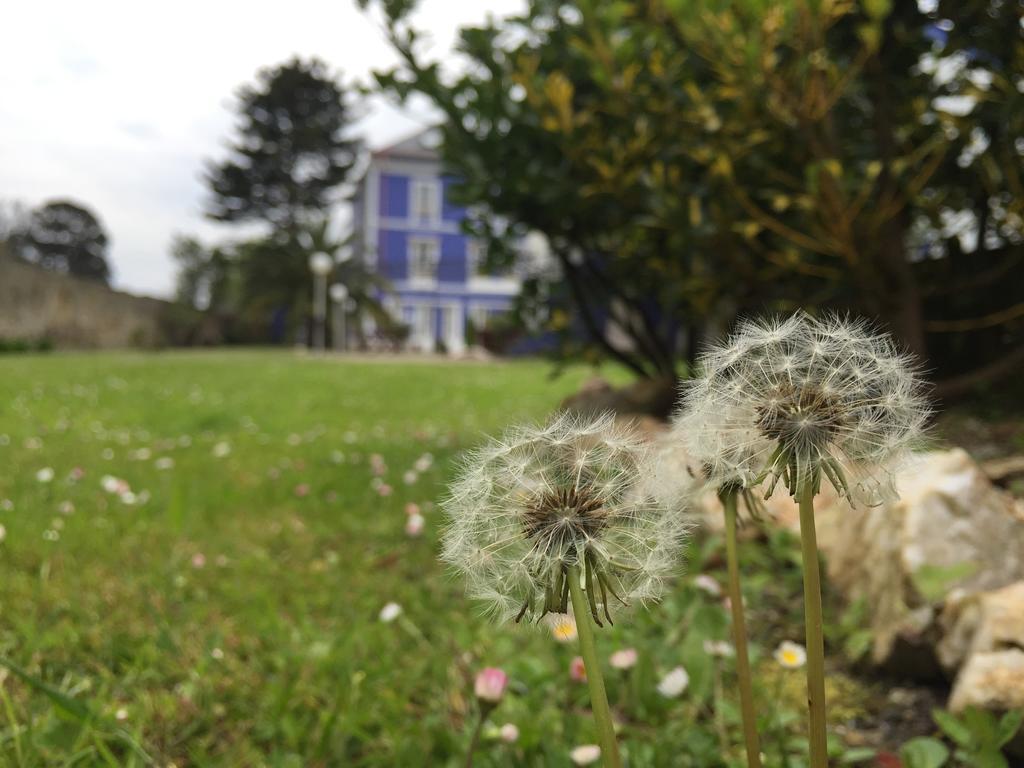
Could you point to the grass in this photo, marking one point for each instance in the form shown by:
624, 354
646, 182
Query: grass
230, 616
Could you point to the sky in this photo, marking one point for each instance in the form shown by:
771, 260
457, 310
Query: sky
116, 104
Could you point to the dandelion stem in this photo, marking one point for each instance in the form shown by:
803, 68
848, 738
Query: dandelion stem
739, 634
813, 622
598, 696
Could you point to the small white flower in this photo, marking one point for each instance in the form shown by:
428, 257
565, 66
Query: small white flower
217, 654
674, 683
587, 754
509, 733
563, 627
390, 612
719, 648
3, 532
164, 463
6, 505
791, 655
708, 584
221, 449
624, 659
121, 714
410, 477
45, 475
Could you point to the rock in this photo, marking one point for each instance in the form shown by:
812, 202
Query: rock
1005, 469
981, 623
644, 397
992, 681
950, 530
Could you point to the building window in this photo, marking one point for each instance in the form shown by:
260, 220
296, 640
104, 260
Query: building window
424, 254
425, 205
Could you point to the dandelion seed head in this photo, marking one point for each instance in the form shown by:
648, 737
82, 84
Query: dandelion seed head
830, 395
528, 507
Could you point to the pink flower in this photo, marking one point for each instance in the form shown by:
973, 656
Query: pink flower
198, 560
412, 508
302, 489
509, 733
414, 525
578, 670
490, 685
384, 489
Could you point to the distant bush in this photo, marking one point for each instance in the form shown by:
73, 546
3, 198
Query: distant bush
14, 346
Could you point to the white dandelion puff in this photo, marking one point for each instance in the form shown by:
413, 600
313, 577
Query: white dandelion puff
800, 398
540, 504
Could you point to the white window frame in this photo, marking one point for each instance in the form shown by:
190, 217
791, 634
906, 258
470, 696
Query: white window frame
425, 201
432, 255
474, 259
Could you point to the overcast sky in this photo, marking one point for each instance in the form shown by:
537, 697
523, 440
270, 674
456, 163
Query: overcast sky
117, 103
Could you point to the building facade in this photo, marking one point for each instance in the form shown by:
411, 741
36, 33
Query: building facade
408, 231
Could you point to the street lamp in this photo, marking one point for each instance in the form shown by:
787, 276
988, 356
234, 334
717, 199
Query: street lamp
320, 265
339, 297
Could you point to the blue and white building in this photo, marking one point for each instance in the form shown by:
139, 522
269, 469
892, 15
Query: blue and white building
408, 230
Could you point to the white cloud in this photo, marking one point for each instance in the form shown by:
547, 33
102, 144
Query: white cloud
117, 104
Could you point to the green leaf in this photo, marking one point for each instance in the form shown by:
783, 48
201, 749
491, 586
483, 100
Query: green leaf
934, 581
1009, 724
952, 727
924, 752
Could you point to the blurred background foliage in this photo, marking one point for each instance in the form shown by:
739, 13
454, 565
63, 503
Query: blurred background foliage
692, 160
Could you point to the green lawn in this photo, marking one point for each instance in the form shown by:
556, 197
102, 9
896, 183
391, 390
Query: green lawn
225, 610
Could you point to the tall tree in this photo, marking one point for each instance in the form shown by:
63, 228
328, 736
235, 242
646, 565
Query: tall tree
291, 153
205, 275
65, 237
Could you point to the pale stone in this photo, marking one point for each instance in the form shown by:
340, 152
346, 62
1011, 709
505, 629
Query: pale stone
992, 681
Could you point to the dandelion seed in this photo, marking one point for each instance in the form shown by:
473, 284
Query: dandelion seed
541, 503
674, 683
390, 612
587, 754
790, 655
798, 399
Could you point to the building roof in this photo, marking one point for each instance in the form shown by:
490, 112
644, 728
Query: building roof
422, 145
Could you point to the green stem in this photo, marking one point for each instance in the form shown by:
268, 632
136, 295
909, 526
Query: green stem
813, 622
598, 696
475, 741
739, 634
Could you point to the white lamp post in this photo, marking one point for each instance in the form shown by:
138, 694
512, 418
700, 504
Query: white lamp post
320, 265
339, 297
